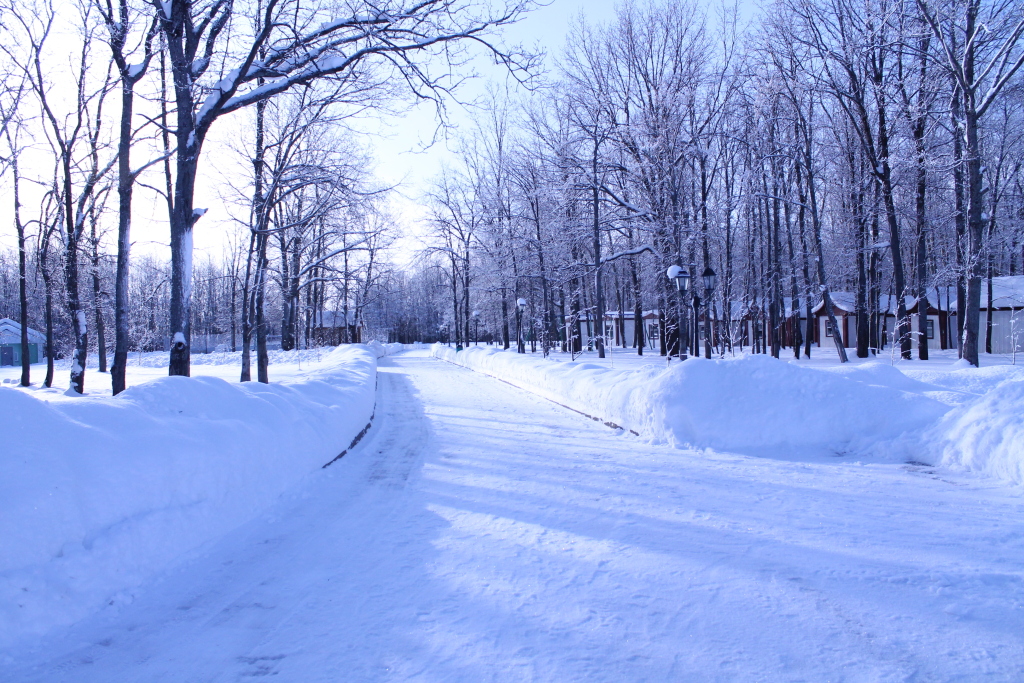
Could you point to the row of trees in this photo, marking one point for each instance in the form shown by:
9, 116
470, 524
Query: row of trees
868, 146
103, 97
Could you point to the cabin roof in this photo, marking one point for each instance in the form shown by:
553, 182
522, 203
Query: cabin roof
10, 333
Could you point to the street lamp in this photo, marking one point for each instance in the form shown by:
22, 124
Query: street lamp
520, 309
476, 332
681, 277
710, 279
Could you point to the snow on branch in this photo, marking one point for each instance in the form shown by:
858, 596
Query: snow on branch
629, 252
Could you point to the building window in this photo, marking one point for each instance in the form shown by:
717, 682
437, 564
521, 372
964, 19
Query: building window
930, 327
828, 328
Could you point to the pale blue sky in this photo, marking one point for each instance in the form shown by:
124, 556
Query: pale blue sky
398, 146
400, 155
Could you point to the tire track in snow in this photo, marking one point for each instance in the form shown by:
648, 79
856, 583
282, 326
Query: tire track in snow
479, 533
400, 438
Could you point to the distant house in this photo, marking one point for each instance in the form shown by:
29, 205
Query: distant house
620, 328
10, 343
332, 328
845, 309
1007, 314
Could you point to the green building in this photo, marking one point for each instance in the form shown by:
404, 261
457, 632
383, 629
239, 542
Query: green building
10, 343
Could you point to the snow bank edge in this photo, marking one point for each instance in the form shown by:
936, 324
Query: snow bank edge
101, 493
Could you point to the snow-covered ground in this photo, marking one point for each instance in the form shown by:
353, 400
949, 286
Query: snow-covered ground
481, 533
618, 357
98, 494
143, 367
937, 412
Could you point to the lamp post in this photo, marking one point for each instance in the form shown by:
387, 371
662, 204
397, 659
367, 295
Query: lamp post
710, 279
476, 330
520, 308
681, 277
694, 337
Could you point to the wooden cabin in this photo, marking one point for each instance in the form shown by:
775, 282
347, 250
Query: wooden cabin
332, 328
845, 309
10, 343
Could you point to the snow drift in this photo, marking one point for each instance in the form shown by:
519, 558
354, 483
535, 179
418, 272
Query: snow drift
100, 493
987, 434
388, 349
751, 404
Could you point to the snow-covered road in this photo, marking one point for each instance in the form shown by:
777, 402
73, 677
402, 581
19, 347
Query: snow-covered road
479, 533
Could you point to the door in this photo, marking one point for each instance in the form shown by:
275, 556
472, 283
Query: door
6, 355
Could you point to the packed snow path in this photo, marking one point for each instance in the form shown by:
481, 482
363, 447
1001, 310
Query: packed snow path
480, 533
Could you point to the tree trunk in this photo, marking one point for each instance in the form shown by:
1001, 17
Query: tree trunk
975, 230
48, 285
922, 262
639, 333
860, 219
826, 298
598, 280
504, 319
988, 284
125, 183
287, 337
262, 357
960, 221
775, 283
247, 308
79, 323
895, 248
130, 75
97, 295
22, 272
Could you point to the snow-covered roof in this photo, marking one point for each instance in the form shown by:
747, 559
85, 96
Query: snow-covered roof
10, 333
1007, 292
846, 302
740, 309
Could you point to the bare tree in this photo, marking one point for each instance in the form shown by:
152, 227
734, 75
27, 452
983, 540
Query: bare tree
122, 24
369, 48
76, 139
980, 47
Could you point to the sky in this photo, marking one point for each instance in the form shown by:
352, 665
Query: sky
399, 145
407, 154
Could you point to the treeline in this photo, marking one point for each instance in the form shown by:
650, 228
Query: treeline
102, 99
870, 147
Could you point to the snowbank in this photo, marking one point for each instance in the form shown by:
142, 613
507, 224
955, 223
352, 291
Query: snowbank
751, 404
986, 435
99, 493
158, 359
386, 349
